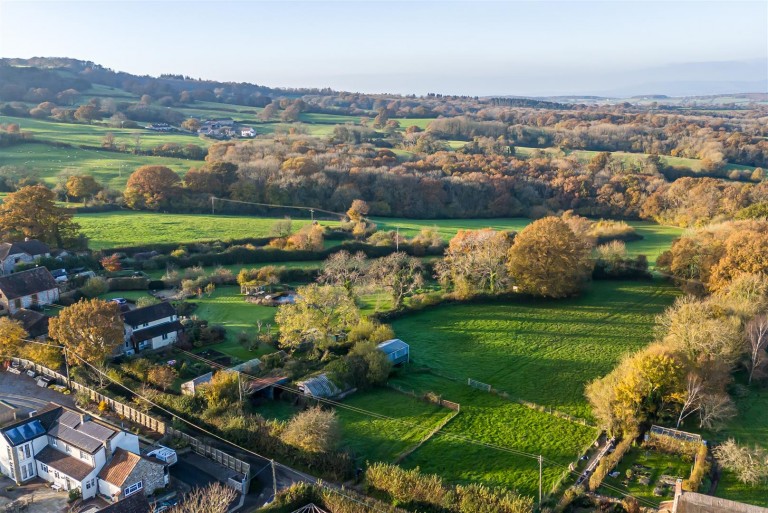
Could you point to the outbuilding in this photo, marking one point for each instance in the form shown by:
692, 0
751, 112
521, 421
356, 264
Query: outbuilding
396, 350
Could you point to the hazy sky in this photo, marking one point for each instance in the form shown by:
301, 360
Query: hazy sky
512, 47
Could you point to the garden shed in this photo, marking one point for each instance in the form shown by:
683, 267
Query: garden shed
396, 350
190, 387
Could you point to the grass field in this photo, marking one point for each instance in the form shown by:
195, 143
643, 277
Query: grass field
109, 168
93, 135
540, 351
126, 227
489, 419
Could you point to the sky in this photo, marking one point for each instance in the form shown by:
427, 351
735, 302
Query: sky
533, 48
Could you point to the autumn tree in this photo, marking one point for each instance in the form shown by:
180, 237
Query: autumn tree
82, 187
12, 336
260, 277
319, 316
309, 238
90, 329
399, 274
358, 210
749, 465
87, 113
282, 228
343, 269
475, 261
314, 430
191, 124
150, 187
162, 376
548, 259
32, 212
223, 389
111, 263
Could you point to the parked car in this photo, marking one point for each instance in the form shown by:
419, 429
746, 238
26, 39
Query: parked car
119, 300
164, 454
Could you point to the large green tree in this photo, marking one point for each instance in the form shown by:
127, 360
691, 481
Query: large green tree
32, 212
548, 259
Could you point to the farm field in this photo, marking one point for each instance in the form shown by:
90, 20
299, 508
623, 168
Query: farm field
127, 228
93, 135
537, 350
109, 168
489, 419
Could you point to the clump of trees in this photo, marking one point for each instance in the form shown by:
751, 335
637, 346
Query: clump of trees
32, 212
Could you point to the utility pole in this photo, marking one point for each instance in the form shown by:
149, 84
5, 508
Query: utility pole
397, 238
312, 213
213, 210
240, 386
274, 479
540, 478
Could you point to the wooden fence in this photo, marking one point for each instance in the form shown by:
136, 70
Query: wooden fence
429, 397
143, 419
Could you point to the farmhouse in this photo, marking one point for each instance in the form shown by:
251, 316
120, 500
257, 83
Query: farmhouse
191, 387
72, 451
26, 289
150, 327
247, 131
396, 350
14, 253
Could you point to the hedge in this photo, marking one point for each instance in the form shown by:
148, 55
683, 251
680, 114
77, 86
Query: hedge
700, 470
610, 461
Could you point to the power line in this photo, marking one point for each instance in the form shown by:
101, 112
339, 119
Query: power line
311, 210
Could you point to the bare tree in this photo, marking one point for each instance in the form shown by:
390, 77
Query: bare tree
214, 498
343, 269
399, 273
757, 339
749, 465
693, 397
715, 409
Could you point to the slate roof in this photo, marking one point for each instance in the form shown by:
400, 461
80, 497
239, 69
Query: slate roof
15, 433
88, 436
68, 465
261, 383
26, 283
392, 346
35, 323
117, 471
690, 502
156, 331
32, 247
136, 503
148, 314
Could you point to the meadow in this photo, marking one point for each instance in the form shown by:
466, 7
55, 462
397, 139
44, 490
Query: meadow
127, 228
538, 350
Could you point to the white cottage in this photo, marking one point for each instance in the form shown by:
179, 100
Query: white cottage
28, 289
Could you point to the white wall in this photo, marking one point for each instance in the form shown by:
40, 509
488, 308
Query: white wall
127, 441
45, 297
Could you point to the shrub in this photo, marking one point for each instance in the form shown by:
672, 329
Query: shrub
95, 286
700, 470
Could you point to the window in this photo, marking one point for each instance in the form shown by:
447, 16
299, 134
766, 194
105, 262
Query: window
132, 489
24, 472
31, 469
67, 448
44, 467
56, 474
35, 299
52, 441
82, 455
87, 485
165, 336
26, 451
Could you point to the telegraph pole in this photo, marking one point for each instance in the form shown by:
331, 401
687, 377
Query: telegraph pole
213, 211
312, 213
540, 478
274, 479
397, 238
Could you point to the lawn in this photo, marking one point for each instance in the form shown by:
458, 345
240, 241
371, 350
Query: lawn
538, 350
227, 307
127, 228
488, 419
372, 439
730, 487
109, 168
657, 464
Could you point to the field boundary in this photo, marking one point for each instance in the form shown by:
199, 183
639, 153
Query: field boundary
429, 397
425, 439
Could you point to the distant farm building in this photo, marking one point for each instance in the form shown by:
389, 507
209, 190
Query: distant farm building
396, 350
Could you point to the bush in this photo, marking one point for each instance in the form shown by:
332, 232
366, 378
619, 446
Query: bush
700, 470
95, 286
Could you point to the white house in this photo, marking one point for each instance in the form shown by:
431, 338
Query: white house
247, 132
28, 289
150, 327
73, 451
26, 252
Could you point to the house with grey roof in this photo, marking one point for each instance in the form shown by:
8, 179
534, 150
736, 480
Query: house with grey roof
692, 502
150, 327
27, 251
64, 447
28, 289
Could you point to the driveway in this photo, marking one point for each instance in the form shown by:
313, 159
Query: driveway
21, 391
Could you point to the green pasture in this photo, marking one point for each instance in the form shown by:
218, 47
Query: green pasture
544, 351
127, 228
459, 455
109, 168
93, 135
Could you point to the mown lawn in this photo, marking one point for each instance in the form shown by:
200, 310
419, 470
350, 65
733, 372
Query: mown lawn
538, 350
127, 228
488, 419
